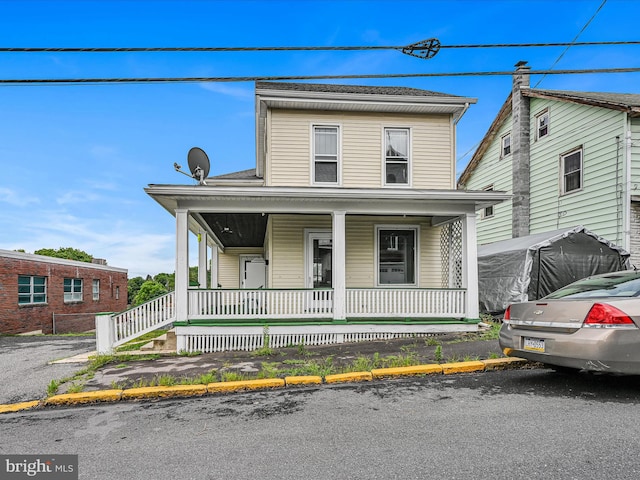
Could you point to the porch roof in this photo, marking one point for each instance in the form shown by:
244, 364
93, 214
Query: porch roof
218, 209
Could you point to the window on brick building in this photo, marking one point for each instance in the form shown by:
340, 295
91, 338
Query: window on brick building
72, 289
32, 290
117, 293
96, 289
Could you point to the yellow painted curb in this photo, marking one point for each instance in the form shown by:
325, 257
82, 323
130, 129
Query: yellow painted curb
303, 380
84, 397
401, 371
349, 377
163, 392
245, 385
16, 407
503, 363
460, 367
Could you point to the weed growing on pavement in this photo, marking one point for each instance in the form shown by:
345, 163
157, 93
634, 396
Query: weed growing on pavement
75, 388
265, 350
432, 342
52, 388
268, 370
438, 354
494, 355
231, 377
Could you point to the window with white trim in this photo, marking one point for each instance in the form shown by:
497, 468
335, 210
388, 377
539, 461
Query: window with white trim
72, 289
487, 212
571, 171
505, 145
326, 157
542, 124
396, 156
31, 290
396, 255
96, 289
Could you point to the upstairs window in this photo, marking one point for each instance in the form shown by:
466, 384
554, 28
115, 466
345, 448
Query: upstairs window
72, 289
396, 148
542, 124
32, 290
325, 155
571, 171
96, 289
487, 211
505, 145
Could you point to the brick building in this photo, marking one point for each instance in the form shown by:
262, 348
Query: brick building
56, 295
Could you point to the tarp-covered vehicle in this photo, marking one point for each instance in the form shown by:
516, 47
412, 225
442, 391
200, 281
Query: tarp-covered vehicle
528, 268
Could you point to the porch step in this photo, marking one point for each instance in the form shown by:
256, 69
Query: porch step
163, 343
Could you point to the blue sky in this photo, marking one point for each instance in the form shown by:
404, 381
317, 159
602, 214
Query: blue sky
74, 159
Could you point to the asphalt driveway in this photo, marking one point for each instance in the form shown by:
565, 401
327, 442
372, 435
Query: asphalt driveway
25, 371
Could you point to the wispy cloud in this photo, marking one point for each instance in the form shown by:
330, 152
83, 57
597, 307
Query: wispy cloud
75, 197
15, 198
243, 93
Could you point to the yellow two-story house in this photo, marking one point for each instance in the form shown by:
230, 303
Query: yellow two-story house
349, 228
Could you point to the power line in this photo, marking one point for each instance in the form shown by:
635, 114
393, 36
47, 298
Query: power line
293, 48
574, 40
58, 81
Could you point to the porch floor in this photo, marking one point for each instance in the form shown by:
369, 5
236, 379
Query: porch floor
306, 321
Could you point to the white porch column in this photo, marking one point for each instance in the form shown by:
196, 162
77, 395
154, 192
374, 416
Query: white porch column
470, 264
182, 264
338, 268
214, 266
202, 259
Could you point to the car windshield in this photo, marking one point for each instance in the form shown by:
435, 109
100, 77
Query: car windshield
614, 285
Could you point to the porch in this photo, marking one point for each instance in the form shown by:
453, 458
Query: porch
248, 319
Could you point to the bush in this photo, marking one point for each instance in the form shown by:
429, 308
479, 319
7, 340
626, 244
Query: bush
148, 291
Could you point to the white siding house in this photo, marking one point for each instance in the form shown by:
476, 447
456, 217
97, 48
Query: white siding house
349, 228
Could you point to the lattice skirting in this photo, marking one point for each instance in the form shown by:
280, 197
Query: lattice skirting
218, 339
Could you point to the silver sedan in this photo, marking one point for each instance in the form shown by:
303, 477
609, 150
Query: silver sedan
592, 324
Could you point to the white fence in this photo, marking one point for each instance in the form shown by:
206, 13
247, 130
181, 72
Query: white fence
415, 303
260, 303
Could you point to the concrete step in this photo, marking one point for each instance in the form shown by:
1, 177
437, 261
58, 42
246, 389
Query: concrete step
163, 343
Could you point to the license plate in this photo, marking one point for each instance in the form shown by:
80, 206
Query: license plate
534, 344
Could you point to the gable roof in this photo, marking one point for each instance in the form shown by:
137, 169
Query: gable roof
349, 89
624, 102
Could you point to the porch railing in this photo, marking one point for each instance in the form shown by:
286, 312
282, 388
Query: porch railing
260, 303
143, 318
402, 302
311, 303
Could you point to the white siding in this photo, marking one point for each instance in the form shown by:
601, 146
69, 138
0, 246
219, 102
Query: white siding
362, 148
286, 264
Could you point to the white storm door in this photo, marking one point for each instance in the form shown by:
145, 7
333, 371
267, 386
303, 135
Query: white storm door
253, 272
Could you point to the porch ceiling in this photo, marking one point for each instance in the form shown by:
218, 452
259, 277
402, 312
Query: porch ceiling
237, 230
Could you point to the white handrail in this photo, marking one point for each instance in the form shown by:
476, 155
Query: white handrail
144, 318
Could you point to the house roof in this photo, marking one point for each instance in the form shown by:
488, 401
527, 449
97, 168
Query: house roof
625, 102
348, 89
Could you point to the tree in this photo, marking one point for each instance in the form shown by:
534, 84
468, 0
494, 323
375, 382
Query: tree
148, 291
68, 253
166, 279
133, 287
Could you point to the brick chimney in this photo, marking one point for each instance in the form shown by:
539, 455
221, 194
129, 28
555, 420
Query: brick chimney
520, 134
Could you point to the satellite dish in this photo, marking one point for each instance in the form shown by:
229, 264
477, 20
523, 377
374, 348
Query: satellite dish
198, 165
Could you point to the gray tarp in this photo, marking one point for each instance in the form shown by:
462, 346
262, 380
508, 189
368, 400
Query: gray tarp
528, 268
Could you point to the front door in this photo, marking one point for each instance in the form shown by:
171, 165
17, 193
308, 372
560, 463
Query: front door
319, 265
319, 260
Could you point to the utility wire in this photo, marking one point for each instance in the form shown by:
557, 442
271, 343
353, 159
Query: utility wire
300, 48
41, 81
574, 41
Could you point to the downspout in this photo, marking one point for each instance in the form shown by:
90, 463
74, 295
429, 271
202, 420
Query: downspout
626, 199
